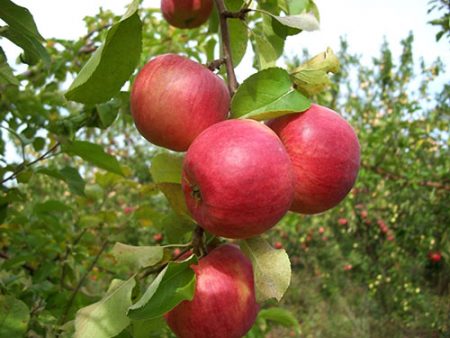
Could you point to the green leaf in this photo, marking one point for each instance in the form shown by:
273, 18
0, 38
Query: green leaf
112, 64
280, 316
238, 40
19, 18
312, 77
166, 172
93, 154
167, 168
177, 227
148, 328
234, 5
51, 207
137, 257
295, 6
267, 94
73, 179
23, 32
265, 52
6, 73
106, 318
271, 268
175, 196
69, 175
305, 21
14, 317
172, 285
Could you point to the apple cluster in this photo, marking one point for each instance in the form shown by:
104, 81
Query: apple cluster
240, 176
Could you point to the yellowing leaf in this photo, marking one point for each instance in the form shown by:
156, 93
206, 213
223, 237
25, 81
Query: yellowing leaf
271, 267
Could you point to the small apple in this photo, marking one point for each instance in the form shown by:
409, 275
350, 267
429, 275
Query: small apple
224, 304
343, 221
325, 154
158, 237
186, 13
128, 210
174, 99
435, 256
176, 252
237, 179
278, 245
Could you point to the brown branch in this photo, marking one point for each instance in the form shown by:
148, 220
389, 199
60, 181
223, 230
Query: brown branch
226, 47
21, 167
392, 176
241, 15
81, 282
213, 65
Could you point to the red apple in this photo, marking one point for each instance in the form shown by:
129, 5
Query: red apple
186, 13
224, 304
325, 155
435, 256
237, 179
158, 237
342, 221
278, 245
173, 99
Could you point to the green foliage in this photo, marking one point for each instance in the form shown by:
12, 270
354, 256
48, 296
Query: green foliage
82, 180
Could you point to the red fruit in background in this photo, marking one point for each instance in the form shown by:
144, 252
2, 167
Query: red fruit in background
325, 153
237, 179
176, 252
186, 13
224, 304
348, 267
342, 221
278, 245
435, 256
364, 214
158, 237
128, 210
321, 230
174, 99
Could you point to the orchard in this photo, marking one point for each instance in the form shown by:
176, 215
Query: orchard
152, 194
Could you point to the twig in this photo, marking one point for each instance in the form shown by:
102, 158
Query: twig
21, 167
213, 65
81, 282
226, 47
67, 253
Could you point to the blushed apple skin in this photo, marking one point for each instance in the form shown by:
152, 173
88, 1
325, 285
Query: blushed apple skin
186, 13
173, 99
237, 179
325, 154
224, 304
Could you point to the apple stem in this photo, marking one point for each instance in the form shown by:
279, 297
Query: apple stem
226, 47
198, 242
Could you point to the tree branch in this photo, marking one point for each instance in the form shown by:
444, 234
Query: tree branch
226, 47
81, 282
21, 167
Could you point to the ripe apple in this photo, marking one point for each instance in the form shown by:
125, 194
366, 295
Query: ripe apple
325, 154
435, 256
158, 237
278, 245
224, 304
237, 179
173, 99
186, 13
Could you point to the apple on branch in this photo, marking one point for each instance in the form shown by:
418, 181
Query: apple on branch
237, 179
224, 303
325, 154
186, 13
173, 99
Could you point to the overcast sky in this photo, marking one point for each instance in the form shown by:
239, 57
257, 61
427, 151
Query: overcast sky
365, 23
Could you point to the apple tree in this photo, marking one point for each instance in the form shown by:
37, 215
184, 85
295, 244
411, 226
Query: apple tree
81, 177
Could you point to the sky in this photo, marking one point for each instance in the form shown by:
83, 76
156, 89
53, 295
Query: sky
365, 24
